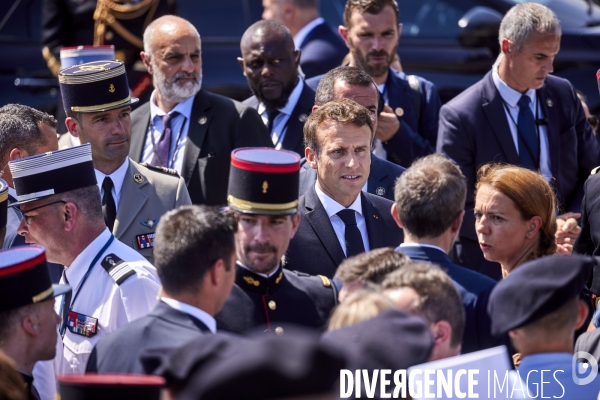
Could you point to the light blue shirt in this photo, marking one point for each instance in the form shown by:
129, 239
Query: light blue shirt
281, 120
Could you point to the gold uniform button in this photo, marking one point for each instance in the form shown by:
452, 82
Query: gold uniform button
279, 331
272, 305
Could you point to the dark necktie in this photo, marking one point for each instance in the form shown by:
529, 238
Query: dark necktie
354, 241
529, 145
271, 115
109, 209
64, 311
163, 147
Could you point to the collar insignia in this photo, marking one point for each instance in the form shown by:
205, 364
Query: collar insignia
150, 223
251, 281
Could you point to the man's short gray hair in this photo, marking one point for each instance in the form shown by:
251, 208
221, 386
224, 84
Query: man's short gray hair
150, 29
523, 19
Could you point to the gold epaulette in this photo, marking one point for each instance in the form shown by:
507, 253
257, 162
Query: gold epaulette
326, 281
169, 171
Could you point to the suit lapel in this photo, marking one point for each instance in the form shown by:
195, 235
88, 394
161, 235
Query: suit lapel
377, 174
197, 127
139, 128
544, 97
320, 223
494, 110
131, 201
296, 123
374, 222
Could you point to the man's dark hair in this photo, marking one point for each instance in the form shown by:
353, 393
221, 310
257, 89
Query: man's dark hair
75, 115
345, 74
189, 240
438, 298
372, 266
269, 26
20, 128
430, 195
343, 111
368, 6
9, 319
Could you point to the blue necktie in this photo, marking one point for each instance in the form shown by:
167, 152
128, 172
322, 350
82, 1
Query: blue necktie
529, 144
354, 240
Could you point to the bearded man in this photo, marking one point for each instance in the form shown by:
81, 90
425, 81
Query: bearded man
184, 127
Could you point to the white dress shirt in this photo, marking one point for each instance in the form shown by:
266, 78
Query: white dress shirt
102, 298
332, 207
511, 98
281, 120
117, 178
179, 132
195, 312
303, 33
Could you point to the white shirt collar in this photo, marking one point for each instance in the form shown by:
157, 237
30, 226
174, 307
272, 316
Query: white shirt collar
292, 100
117, 177
303, 33
195, 312
421, 245
510, 95
184, 108
332, 207
81, 263
258, 273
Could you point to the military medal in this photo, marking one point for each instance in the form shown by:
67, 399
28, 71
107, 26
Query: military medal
82, 324
145, 241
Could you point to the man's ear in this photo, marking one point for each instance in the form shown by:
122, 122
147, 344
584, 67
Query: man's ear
442, 332
399, 30
582, 313
311, 157
344, 34
17, 153
297, 55
395, 215
505, 46
458, 222
146, 60
72, 126
240, 61
70, 213
30, 325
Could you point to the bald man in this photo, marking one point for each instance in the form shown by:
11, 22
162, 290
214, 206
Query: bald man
270, 64
184, 127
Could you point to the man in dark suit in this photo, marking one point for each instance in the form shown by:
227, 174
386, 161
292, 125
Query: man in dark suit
24, 131
194, 257
430, 199
283, 100
371, 31
322, 47
263, 197
202, 128
353, 83
338, 219
519, 114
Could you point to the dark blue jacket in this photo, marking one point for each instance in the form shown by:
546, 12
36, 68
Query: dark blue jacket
323, 49
474, 290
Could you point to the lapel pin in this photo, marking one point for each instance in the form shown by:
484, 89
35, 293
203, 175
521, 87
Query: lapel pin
375, 216
399, 111
138, 178
202, 120
549, 102
302, 117
150, 223
380, 191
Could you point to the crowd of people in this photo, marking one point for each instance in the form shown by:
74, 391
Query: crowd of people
341, 218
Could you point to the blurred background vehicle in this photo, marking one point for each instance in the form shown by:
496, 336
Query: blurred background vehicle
453, 43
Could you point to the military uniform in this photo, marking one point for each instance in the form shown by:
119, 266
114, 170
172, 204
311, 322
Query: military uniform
148, 192
285, 297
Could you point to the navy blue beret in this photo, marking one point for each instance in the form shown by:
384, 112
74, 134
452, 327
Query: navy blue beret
536, 289
392, 340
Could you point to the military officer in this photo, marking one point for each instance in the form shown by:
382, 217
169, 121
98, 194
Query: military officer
134, 196
113, 284
539, 306
263, 193
27, 317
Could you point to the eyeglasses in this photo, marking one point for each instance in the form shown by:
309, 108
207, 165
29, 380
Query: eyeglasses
26, 218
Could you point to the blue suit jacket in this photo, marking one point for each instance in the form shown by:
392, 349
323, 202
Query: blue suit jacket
382, 177
474, 290
323, 49
474, 131
316, 250
414, 139
13, 219
294, 136
164, 328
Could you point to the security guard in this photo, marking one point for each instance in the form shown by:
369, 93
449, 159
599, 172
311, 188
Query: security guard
539, 306
112, 284
27, 317
263, 192
134, 196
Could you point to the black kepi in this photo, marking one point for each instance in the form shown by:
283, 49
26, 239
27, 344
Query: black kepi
263, 181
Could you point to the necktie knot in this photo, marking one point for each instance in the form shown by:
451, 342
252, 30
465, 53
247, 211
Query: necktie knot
107, 184
271, 115
348, 216
524, 101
